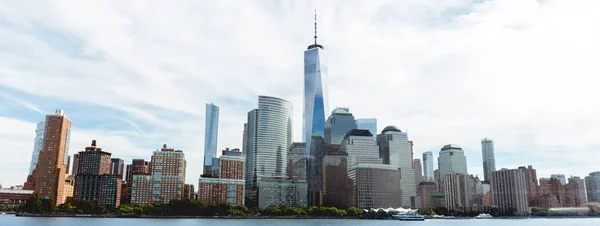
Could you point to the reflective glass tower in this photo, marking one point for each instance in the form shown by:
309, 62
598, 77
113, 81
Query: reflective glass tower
368, 124
211, 130
315, 92
339, 123
428, 165
38, 144
489, 161
268, 139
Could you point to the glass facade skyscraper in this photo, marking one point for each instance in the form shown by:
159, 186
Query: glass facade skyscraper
268, 139
452, 159
396, 150
211, 130
489, 161
368, 124
38, 144
340, 122
315, 93
428, 165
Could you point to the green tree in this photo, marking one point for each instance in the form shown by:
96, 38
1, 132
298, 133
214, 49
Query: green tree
33, 204
353, 211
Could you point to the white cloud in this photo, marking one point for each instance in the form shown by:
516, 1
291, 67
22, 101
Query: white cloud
522, 72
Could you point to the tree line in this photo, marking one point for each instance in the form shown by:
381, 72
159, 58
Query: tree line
178, 208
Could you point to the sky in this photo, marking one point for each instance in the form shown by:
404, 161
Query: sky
134, 75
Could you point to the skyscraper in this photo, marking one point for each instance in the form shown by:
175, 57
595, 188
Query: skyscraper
297, 163
338, 124
211, 130
315, 92
509, 190
361, 147
489, 161
456, 190
38, 144
418, 171
531, 184
428, 166
51, 170
592, 186
117, 166
452, 159
575, 192
268, 138
396, 150
368, 124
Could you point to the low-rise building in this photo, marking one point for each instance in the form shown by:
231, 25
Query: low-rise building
14, 198
278, 191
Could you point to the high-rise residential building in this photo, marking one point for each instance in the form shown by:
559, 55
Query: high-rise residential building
335, 177
297, 162
278, 191
575, 192
361, 147
489, 161
231, 167
117, 166
425, 191
428, 165
50, 174
509, 190
211, 131
338, 124
396, 150
592, 185
551, 193
531, 184
75, 164
268, 138
418, 173
315, 92
188, 192
456, 190
137, 167
560, 177
368, 124
166, 179
452, 159
374, 186
38, 145
228, 187
94, 181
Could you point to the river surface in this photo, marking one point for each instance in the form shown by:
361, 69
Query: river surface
11, 220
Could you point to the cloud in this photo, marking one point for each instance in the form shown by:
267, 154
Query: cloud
135, 76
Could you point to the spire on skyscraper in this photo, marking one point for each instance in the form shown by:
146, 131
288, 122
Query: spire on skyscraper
315, 45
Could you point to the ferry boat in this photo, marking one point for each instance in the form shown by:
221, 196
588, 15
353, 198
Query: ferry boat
483, 216
408, 216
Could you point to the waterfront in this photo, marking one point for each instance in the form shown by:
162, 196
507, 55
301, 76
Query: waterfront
11, 220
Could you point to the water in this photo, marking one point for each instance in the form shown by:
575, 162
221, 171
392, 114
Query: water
11, 220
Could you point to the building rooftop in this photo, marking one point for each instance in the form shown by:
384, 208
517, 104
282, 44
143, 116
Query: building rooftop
391, 129
16, 191
359, 132
341, 111
451, 146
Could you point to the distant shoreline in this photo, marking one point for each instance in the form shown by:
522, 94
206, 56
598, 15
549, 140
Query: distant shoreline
267, 217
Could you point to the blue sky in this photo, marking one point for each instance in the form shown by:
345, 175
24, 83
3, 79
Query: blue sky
135, 75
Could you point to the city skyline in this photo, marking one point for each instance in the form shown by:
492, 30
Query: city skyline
131, 119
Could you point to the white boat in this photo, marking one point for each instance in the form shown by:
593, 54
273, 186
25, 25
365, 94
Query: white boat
408, 216
483, 216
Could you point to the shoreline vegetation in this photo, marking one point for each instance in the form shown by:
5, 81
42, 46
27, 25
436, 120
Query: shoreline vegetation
36, 207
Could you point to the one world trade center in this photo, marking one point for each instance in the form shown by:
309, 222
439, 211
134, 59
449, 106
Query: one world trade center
313, 116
